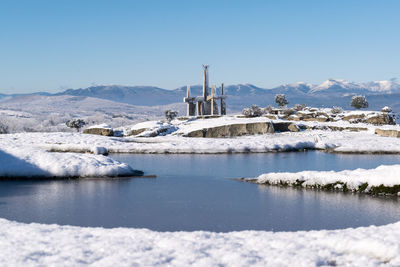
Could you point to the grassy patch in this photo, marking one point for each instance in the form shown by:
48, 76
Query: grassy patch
381, 189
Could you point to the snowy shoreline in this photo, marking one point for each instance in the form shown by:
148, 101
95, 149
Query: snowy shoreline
40, 244
383, 180
82, 153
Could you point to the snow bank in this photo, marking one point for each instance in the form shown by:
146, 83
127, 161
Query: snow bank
361, 180
38, 244
25, 162
19, 159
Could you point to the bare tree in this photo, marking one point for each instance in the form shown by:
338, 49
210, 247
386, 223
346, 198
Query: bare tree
299, 107
336, 110
280, 99
170, 114
268, 109
359, 101
3, 128
76, 123
253, 111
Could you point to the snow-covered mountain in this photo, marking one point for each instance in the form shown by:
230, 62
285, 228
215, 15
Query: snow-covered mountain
383, 86
151, 96
136, 95
336, 86
294, 88
328, 93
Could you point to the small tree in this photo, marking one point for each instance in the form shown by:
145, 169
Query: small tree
3, 128
268, 109
170, 114
76, 123
336, 110
253, 111
359, 101
280, 99
386, 109
299, 107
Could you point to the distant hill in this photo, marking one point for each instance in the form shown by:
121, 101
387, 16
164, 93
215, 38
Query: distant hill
329, 93
136, 95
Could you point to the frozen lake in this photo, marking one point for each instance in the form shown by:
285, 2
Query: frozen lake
197, 192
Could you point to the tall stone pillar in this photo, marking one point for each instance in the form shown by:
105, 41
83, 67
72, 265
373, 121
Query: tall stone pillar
191, 105
206, 104
223, 104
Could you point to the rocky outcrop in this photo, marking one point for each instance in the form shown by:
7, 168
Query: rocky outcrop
377, 119
387, 133
335, 114
137, 131
151, 132
99, 131
336, 128
233, 130
270, 116
381, 119
320, 119
285, 127
354, 117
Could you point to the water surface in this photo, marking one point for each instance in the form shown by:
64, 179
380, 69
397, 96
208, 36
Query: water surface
197, 192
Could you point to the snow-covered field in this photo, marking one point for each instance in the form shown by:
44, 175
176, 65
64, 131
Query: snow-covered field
361, 142
55, 245
32, 149
35, 113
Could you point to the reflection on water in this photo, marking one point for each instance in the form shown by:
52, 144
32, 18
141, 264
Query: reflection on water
197, 192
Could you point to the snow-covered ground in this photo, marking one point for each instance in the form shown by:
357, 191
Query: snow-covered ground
55, 245
360, 142
35, 113
21, 158
25, 162
32, 149
36, 150
28, 154
355, 180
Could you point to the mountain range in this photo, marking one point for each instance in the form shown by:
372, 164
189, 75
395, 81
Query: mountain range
329, 93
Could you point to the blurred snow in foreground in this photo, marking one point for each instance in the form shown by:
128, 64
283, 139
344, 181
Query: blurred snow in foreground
55, 245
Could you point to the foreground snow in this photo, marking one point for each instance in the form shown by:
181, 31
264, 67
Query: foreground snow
39, 244
355, 180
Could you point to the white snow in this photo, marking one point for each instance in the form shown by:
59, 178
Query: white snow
55, 245
21, 159
31, 149
336, 83
100, 126
382, 175
146, 125
345, 141
27, 155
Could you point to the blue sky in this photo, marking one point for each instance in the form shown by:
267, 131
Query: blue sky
53, 45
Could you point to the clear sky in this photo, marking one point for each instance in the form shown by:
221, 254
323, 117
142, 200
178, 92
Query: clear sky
52, 45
